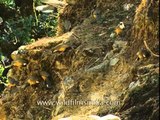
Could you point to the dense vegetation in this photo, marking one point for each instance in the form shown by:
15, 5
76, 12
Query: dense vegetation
20, 26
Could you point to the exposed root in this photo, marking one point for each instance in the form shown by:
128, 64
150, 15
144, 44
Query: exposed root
147, 47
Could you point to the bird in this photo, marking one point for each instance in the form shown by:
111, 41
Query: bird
44, 75
62, 48
119, 29
11, 82
19, 63
33, 80
142, 54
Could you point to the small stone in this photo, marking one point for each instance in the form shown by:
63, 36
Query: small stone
68, 82
67, 25
29, 115
112, 35
127, 7
133, 85
1, 20
114, 61
120, 44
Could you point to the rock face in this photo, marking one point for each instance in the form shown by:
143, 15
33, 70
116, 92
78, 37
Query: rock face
85, 71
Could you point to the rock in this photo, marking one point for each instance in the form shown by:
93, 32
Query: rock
112, 35
127, 7
67, 25
46, 8
101, 67
15, 55
119, 44
92, 117
29, 115
55, 3
109, 55
110, 117
114, 61
133, 85
1, 20
68, 83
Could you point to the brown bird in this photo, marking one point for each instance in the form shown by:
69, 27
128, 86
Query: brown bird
33, 80
61, 48
142, 54
119, 29
44, 75
19, 63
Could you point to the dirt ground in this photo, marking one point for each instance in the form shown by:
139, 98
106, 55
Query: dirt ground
87, 62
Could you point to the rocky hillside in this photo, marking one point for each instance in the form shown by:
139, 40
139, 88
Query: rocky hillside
104, 60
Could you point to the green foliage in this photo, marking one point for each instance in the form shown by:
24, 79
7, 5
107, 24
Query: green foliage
46, 26
25, 29
17, 31
2, 78
1, 70
9, 3
37, 2
1, 66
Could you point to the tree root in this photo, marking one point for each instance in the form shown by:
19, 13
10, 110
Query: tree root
147, 47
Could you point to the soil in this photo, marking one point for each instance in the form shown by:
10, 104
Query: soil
86, 64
